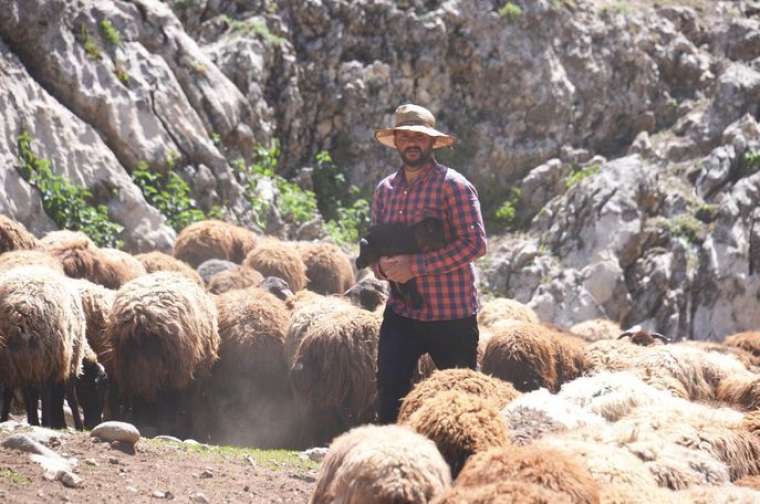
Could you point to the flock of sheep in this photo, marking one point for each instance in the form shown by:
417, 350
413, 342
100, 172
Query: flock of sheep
245, 339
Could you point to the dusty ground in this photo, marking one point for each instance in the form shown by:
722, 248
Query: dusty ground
171, 471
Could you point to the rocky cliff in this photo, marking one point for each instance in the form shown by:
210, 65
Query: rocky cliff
622, 136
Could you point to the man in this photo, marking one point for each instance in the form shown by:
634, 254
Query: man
446, 325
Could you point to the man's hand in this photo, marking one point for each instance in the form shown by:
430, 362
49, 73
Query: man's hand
397, 268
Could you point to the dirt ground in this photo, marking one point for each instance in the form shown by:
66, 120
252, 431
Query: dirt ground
160, 470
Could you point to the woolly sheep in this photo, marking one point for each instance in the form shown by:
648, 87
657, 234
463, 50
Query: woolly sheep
723, 494
14, 236
464, 380
504, 492
42, 333
127, 263
213, 239
333, 371
328, 269
629, 494
82, 259
15, 258
532, 356
752, 482
597, 329
249, 382
97, 302
238, 277
612, 354
64, 235
748, 341
156, 261
461, 425
381, 464
644, 338
369, 293
275, 258
211, 267
544, 466
743, 356
163, 329
501, 308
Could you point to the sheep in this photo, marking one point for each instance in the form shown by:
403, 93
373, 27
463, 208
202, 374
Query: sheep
540, 465
743, 356
279, 259
629, 494
97, 302
381, 464
531, 356
156, 261
82, 259
643, 338
461, 425
612, 354
211, 267
748, 341
501, 308
278, 287
16, 258
238, 277
464, 380
394, 238
132, 267
213, 239
333, 371
163, 332
248, 387
724, 494
596, 329
42, 337
368, 293
752, 482
91, 388
64, 235
504, 492
14, 236
328, 269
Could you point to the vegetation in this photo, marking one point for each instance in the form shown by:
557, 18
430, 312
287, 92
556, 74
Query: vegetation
91, 47
687, 226
580, 174
11, 476
510, 11
110, 33
169, 193
255, 26
273, 459
70, 206
506, 214
121, 73
751, 162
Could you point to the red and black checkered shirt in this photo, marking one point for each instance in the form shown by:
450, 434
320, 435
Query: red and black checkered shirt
446, 277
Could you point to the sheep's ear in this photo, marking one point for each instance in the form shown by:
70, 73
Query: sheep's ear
661, 337
625, 334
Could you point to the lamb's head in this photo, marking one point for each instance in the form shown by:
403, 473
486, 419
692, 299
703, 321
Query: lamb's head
92, 387
429, 235
644, 338
278, 287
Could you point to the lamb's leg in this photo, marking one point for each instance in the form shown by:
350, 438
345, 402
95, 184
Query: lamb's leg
31, 398
57, 394
73, 401
5, 413
46, 393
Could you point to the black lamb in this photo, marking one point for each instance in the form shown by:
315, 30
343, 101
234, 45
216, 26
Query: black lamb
395, 238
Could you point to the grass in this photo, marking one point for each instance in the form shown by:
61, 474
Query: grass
255, 27
110, 33
90, 46
688, 227
12, 476
581, 174
273, 459
510, 11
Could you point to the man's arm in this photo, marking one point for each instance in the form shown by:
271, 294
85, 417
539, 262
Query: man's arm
467, 226
375, 213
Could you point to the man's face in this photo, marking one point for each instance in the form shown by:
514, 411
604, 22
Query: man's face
415, 149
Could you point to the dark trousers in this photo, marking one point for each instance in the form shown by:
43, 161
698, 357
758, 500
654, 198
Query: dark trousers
450, 343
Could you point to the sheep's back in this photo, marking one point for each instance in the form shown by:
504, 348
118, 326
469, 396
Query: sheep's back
15, 236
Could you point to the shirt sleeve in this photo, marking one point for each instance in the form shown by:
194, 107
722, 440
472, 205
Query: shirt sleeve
466, 221
375, 213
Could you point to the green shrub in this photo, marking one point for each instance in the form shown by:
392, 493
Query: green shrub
68, 205
751, 162
351, 223
688, 227
110, 33
581, 174
506, 214
510, 11
255, 26
168, 193
90, 45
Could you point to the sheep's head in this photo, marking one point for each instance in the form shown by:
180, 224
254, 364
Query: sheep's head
92, 387
369, 293
644, 338
278, 287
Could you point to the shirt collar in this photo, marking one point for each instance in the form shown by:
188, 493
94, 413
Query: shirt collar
399, 180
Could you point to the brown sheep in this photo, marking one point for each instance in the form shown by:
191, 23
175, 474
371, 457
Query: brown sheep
239, 277
629, 494
16, 258
279, 259
369, 293
82, 259
163, 328
752, 482
14, 236
544, 466
97, 302
644, 338
504, 492
740, 391
333, 371
379, 465
42, 339
328, 269
213, 239
249, 383
305, 308
156, 261
748, 341
64, 235
498, 309
463, 380
597, 329
531, 356
127, 263
461, 425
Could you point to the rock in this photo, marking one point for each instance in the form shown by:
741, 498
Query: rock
121, 432
314, 454
206, 474
91, 462
198, 498
24, 443
170, 439
69, 480
114, 461
158, 494
191, 442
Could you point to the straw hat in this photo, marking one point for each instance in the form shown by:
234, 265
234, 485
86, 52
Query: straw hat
411, 117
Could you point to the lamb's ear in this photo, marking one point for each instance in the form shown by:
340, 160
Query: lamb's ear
661, 337
627, 333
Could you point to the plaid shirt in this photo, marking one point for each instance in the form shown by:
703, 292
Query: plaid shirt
446, 277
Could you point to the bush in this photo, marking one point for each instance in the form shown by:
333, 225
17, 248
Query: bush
110, 32
581, 174
168, 193
506, 214
90, 46
510, 11
68, 205
351, 223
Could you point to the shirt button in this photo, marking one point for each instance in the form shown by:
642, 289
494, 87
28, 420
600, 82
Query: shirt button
400, 211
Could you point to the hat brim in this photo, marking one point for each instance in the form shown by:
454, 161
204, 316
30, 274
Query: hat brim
441, 140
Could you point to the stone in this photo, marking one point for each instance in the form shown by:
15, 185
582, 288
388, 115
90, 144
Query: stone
121, 432
170, 439
24, 443
69, 479
198, 498
314, 454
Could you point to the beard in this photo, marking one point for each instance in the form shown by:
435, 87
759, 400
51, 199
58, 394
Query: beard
423, 156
